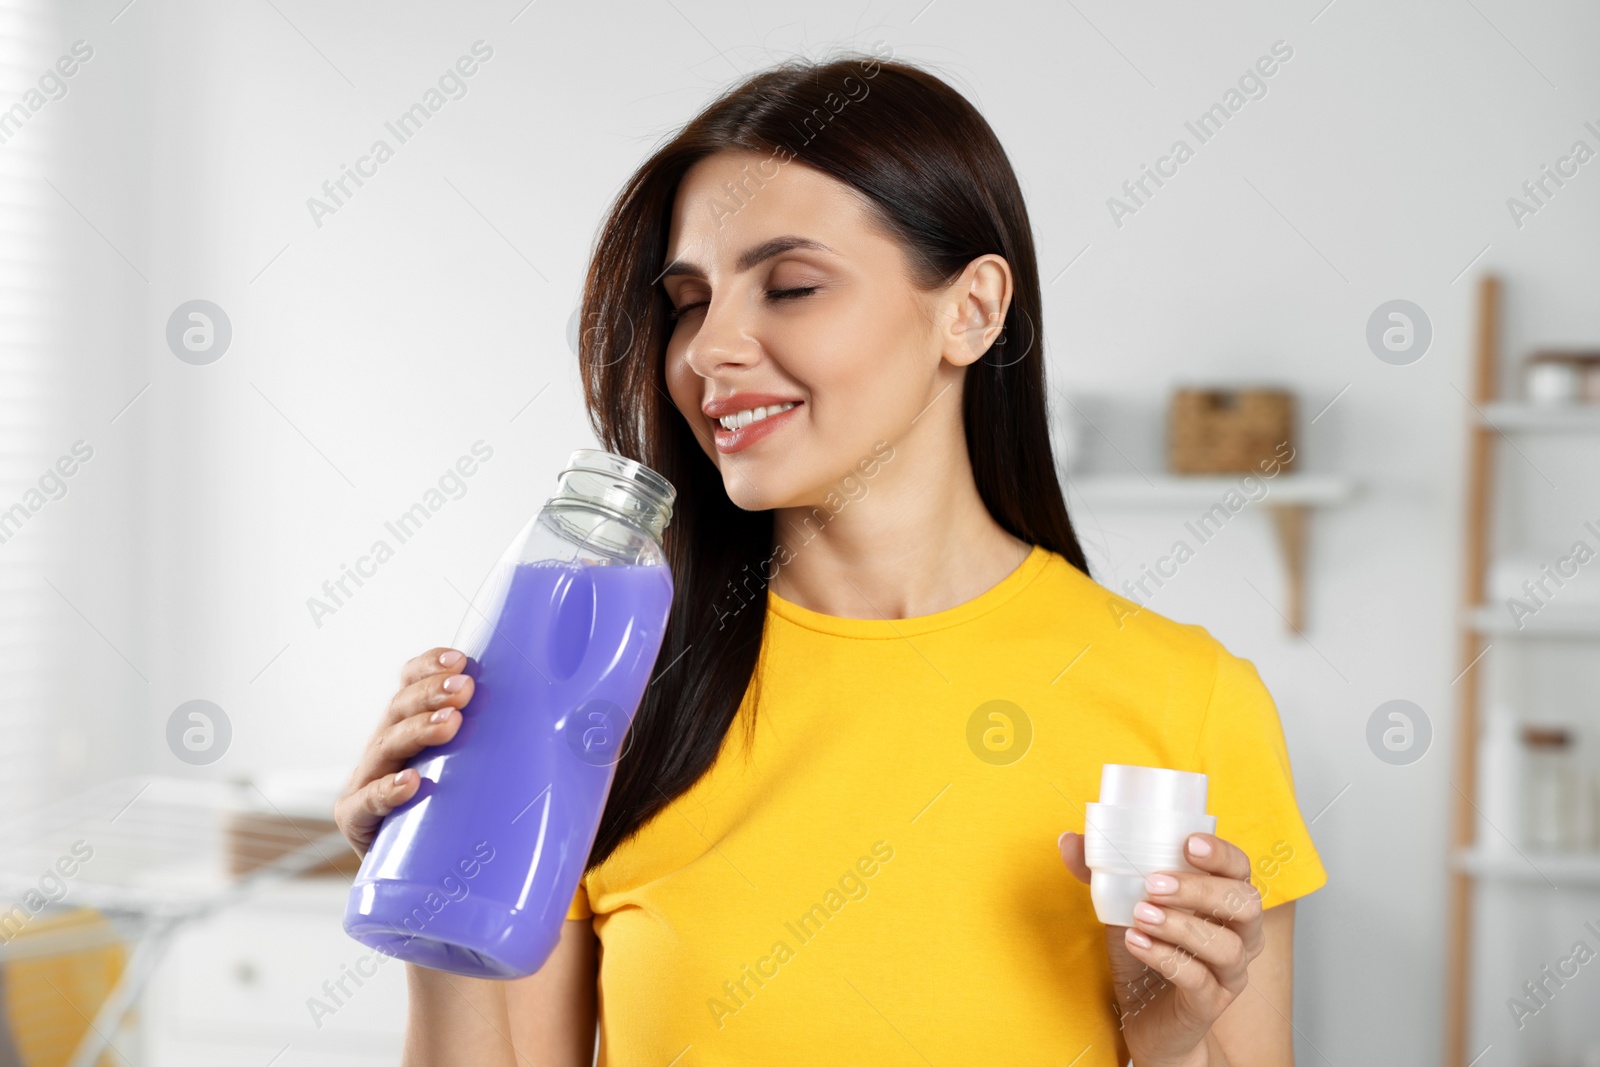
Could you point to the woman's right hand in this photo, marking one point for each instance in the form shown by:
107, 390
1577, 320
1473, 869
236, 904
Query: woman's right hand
426, 711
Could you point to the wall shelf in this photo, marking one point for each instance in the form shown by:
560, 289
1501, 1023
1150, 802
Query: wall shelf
1171, 490
1289, 499
1551, 621
1549, 418
1567, 870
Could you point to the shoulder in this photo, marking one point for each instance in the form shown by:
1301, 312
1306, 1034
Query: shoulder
1125, 631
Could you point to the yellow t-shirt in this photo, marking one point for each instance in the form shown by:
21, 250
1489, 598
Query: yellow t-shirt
874, 879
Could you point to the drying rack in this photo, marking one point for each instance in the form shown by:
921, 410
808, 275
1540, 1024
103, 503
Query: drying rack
165, 852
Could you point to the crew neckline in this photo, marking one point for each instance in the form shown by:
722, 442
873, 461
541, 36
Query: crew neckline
1009, 586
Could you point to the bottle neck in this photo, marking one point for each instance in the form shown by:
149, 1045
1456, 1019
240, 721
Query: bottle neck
618, 486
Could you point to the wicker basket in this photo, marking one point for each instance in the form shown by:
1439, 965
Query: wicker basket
1224, 431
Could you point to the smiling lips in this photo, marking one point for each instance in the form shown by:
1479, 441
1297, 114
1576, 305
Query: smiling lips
745, 418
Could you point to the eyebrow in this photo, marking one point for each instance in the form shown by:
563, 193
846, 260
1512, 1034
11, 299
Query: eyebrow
749, 257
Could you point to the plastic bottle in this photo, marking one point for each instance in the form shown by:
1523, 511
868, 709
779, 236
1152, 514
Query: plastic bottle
1500, 773
1138, 827
474, 874
1551, 799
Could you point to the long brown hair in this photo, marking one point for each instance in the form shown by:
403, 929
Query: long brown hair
936, 177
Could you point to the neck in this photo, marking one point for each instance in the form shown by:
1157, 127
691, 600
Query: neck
912, 538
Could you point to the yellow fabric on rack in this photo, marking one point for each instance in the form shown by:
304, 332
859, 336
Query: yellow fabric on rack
50, 998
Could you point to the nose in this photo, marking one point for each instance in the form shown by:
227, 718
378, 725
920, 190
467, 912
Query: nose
722, 342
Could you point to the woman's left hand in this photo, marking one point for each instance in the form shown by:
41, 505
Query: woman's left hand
1184, 959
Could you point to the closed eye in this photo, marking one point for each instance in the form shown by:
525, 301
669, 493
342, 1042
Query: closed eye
790, 294
674, 314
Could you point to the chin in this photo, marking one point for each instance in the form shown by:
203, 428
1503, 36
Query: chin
751, 494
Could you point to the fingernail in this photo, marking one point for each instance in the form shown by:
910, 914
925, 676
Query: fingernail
1161, 883
449, 659
1149, 913
1137, 938
1199, 846
1062, 840
454, 683
441, 715
403, 778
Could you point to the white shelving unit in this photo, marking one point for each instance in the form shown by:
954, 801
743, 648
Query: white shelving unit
1486, 873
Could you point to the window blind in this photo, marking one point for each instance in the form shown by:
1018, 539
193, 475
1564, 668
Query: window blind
31, 286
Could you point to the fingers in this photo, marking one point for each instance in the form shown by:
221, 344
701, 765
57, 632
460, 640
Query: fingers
1200, 929
1221, 899
359, 813
433, 661
425, 712
430, 693
1226, 897
1173, 933
1211, 853
394, 744
1182, 968
1071, 846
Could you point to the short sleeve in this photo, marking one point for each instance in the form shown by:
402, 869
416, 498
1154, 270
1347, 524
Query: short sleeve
1251, 789
580, 903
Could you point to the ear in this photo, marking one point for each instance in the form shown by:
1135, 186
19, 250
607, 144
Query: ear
976, 304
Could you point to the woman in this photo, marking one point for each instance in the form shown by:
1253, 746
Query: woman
888, 681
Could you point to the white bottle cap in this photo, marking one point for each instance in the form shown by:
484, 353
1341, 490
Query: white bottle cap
1152, 787
1138, 827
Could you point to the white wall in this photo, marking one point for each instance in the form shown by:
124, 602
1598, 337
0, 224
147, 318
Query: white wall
427, 312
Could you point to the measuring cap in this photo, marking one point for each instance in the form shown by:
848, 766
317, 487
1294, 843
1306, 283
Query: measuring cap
1139, 826
1152, 787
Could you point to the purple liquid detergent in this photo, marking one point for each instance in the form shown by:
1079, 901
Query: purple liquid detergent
474, 874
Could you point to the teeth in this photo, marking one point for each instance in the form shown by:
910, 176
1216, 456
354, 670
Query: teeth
741, 419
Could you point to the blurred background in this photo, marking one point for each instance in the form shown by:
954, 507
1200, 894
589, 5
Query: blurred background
223, 383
